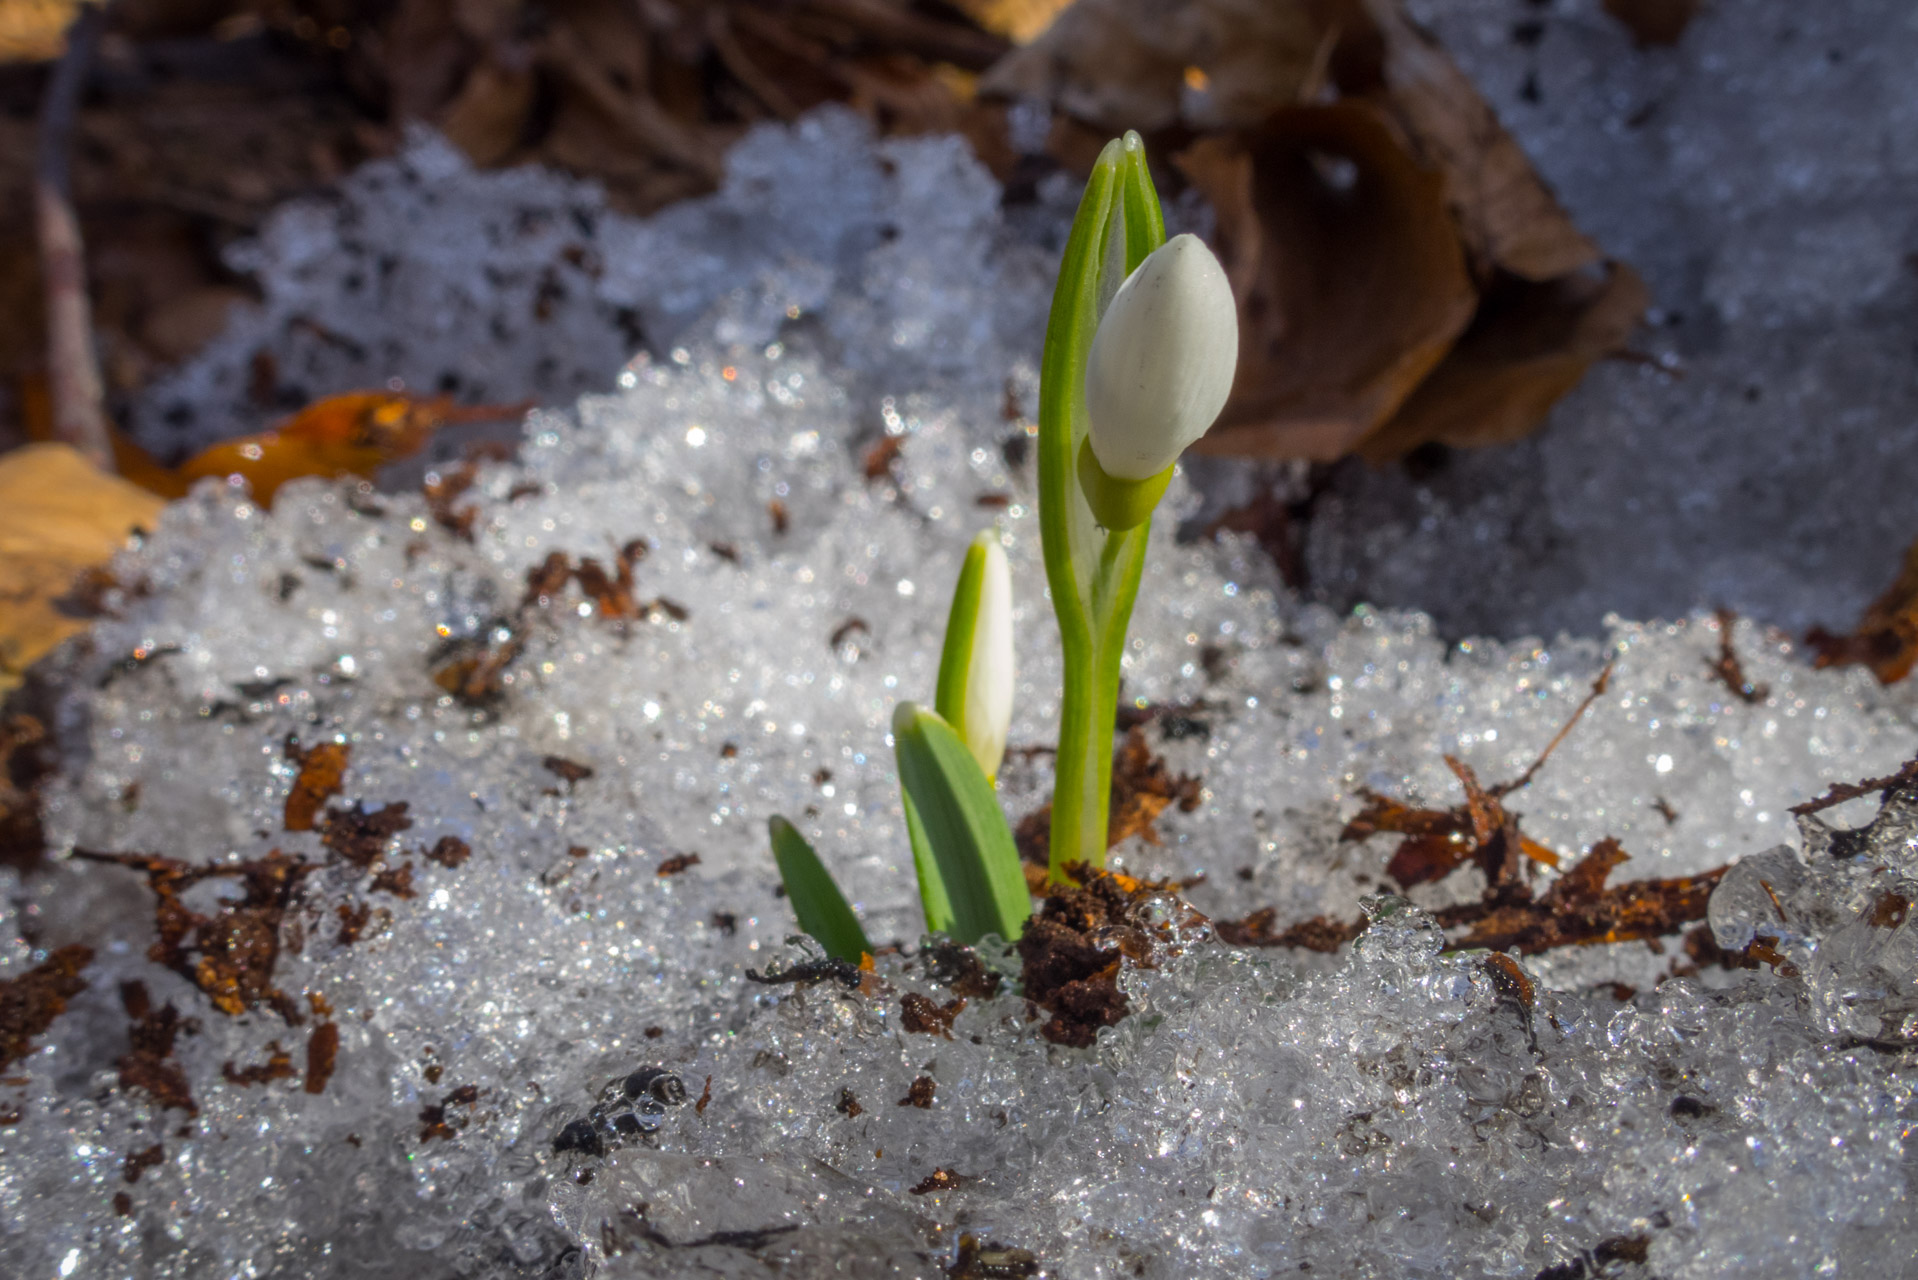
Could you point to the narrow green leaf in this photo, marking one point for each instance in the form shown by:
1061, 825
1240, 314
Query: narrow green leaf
822, 910
964, 827
933, 898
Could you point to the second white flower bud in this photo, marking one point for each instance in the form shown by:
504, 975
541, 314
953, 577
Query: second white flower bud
1162, 361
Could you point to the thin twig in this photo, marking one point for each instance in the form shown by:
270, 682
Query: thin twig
73, 367
1524, 780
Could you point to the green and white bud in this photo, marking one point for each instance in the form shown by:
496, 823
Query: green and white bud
1159, 371
975, 670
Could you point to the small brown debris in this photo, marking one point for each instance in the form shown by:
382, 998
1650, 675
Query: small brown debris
433, 1123
991, 1261
780, 518
231, 954
321, 777
1888, 910
475, 672
1509, 980
1320, 933
960, 970
546, 580
361, 837
353, 922
846, 630
571, 772
322, 1054
26, 761
123, 1204
725, 551
678, 863
919, 1094
939, 1180
1729, 670
993, 501
278, 1066
726, 922
729, 751
1886, 637
881, 455
30, 1002
848, 1106
654, 1033
463, 1096
138, 1162
148, 1064
705, 1098
397, 881
1665, 810
449, 852
921, 1016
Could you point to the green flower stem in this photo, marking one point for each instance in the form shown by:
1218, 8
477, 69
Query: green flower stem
1093, 572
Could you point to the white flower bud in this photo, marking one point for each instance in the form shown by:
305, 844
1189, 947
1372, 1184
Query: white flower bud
975, 672
1162, 360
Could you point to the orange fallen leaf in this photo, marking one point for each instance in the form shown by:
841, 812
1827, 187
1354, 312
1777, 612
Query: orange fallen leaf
1886, 638
354, 434
59, 517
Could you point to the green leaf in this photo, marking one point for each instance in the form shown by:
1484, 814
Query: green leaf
963, 825
933, 898
822, 910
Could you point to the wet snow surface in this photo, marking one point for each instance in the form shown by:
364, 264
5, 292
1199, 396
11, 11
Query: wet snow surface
1388, 1112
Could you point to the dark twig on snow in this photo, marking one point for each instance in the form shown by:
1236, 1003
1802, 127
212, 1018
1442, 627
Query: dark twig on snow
73, 367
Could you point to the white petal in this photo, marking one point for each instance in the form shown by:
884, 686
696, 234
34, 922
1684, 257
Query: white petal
989, 677
1162, 361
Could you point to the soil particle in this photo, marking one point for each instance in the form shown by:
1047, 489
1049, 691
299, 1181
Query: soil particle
678, 863
322, 1053
921, 1016
138, 1162
1072, 952
397, 881
848, 1106
919, 1094
278, 1066
149, 1063
961, 972
30, 1002
361, 837
939, 1180
449, 852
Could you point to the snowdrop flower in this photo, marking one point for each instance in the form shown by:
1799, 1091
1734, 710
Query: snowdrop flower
1159, 371
975, 671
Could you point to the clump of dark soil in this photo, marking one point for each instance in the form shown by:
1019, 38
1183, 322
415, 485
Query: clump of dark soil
1073, 950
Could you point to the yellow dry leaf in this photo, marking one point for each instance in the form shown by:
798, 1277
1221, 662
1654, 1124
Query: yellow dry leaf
59, 516
35, 30
1021, 21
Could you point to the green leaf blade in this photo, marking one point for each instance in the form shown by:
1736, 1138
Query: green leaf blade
934, 901
822, 910
965, 829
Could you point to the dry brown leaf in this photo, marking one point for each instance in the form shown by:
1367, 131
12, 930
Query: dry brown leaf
1146, 65
1348, 271
1886, 638
1400, 267
59, 516
1528, 345
1507, 215
35, 30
